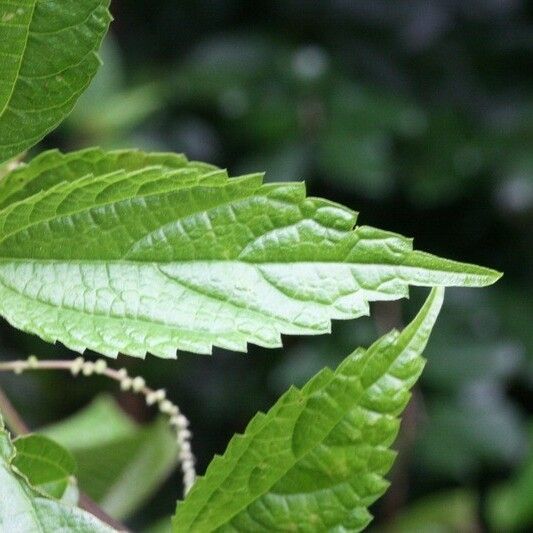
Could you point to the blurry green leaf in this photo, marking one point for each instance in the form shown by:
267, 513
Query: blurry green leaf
179, 256
108, 109
441, 165
221, 64
48, 59
23, 509
515, 309
480, 429
71, 495
487, 362
271, 117
77, 432
120, 113
316, 460
361, 163
510, 506
367, 110
446, 512
120, 464
48, 467
161, 526
356, 150
288, 163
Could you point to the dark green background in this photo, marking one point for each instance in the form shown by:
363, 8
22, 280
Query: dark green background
416, 113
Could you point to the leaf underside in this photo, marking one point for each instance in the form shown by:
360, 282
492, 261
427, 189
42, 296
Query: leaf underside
316, 460
48, 56
152, 253
24, 509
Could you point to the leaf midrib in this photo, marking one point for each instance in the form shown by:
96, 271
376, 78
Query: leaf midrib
262, 315
296, 460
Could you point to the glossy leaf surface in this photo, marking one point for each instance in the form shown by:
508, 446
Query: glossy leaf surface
316, 460
176, 255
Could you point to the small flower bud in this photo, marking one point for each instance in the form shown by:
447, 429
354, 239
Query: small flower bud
138, 384
87, 369
100, 366
77, 365
126, 384
166, 407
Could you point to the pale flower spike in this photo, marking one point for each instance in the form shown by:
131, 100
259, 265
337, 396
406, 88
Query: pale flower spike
177, 421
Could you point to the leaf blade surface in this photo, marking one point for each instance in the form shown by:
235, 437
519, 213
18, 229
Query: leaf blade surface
175, 255
316, 460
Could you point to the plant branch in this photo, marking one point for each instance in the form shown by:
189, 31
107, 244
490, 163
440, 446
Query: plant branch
92, 507
11, 417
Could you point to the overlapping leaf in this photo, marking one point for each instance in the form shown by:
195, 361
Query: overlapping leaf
152, 253
120, 464
47, 466
48, 56
24, 509
316, 460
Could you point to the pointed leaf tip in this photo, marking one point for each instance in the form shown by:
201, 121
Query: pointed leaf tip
128, 252
318, 458
431, 270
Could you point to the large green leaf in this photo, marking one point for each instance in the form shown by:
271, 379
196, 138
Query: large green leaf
178, 256
120, 464
48, 56
48, 466
23, 509
316, 460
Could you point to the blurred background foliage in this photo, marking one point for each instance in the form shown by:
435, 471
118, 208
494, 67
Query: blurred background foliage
418, 114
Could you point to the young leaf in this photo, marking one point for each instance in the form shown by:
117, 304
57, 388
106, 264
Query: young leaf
178, 256
47, 58
316, 460
24, 509
120, 464
48, 467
